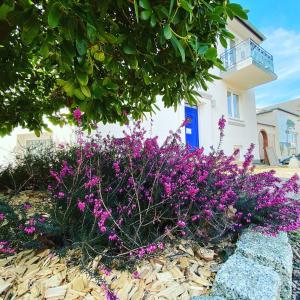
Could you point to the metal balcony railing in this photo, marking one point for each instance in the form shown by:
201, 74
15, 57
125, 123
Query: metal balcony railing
244, 50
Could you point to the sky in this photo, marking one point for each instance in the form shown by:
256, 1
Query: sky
279, 21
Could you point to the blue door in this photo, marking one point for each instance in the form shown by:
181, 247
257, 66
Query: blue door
191, 128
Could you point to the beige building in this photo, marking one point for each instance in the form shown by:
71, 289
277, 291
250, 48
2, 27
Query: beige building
279, 128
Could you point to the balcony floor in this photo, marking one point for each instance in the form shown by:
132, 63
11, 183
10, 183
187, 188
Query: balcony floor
248, 74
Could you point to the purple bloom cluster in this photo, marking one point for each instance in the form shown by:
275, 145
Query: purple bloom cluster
134, 192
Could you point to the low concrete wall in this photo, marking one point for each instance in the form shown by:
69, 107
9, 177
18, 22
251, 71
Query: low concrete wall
260, 269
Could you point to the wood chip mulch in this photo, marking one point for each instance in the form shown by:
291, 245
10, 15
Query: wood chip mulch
180, 273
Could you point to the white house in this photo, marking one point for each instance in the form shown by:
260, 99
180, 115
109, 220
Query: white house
279, 127
247, 65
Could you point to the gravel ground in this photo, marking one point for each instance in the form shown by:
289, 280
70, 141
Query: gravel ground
295, 239
281, 171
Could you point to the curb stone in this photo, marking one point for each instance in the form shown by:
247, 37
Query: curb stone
241, 278
274, 252
260, 269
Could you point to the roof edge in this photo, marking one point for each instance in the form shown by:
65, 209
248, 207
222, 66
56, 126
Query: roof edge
252, 28
276, 108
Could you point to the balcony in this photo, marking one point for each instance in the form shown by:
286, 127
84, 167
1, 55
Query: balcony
247, 65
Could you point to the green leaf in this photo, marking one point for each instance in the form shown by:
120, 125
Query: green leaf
37, 132
78, 94
85, 90
30, 31
44, 50
81, 46
238, 10
146, 14
5, 9
136, 10
97, 90
54, 15
82, 78
99, 56
167, 31
177, 44
171, 6
128, 50
145, 4
185, 4
211, 53
69, 88
223, 41
91, 32
202, 49
146, 78
153, 20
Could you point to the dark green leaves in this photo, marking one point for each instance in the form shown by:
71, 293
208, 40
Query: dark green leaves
55, 14
81, 46
91, 32
85, 91
167, 31
177, 45
145, 4
187, 5
105, 57
236, 10
146, 14
128, 49
30, 31
99, 56
82, 77
211, 53
5, 8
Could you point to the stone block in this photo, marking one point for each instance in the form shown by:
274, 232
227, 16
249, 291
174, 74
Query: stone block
274, 252
241, 278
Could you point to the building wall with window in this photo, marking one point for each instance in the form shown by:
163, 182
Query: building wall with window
17, 143
284, 118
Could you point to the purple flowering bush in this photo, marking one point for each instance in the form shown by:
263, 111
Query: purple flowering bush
127, 196
20, 229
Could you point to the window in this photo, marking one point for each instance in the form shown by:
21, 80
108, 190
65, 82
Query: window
233, 105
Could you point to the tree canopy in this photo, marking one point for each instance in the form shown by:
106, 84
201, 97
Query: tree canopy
110, 58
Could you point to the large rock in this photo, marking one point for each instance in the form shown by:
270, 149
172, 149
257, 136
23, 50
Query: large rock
274, 252
241, 278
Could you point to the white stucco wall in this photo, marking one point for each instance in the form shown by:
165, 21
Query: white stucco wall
278, 119
9, 144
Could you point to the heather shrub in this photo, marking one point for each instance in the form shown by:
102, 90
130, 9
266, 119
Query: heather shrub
130, 195
31, 170
20, 228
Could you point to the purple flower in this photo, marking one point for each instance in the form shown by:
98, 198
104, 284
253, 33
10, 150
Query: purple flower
77, 115
26, 205
81, 206
61, 195
136, 275
181, 224
222, 123
29, 230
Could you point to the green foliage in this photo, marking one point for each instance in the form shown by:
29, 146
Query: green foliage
111, 58
32, 170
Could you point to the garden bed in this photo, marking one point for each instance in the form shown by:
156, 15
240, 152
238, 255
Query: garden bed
131, 218
177, 274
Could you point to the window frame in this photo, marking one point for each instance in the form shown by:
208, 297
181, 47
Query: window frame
232, 112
